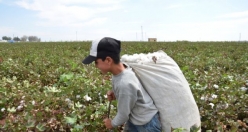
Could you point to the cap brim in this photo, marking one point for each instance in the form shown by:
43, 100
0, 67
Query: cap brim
89, 59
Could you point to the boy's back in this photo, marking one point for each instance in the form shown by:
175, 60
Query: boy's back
132, 98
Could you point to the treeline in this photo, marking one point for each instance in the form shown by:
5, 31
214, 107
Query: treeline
23, 38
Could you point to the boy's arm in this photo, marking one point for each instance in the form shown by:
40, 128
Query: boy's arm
125, 104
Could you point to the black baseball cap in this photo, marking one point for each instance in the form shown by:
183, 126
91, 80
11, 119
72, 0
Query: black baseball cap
103, 48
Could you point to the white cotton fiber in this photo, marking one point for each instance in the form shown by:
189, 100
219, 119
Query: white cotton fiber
143, 58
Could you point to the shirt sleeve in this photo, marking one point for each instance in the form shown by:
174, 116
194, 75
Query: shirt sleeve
126, 100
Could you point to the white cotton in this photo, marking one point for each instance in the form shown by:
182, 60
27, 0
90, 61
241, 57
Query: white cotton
202, 98
87, 98
33, 102
3, 109
214, 96
212, 105
225, 105
22, 101
19, 107
143, 58
67, 100
243, 88
216, 86
78, 96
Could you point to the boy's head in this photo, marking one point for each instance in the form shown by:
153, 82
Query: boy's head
102, 48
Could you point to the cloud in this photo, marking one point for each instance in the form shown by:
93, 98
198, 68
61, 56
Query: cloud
178, 6
224, 30
208, 25
6, 30
235, 15
69, 12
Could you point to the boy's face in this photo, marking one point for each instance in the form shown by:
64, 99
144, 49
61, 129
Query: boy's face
103, 66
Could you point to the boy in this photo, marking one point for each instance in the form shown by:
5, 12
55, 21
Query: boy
135, 107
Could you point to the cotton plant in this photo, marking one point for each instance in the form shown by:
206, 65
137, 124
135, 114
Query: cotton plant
23, 85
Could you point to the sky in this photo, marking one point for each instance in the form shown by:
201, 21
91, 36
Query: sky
126, 20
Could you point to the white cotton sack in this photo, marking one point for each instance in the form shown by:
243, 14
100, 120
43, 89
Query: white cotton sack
164, 81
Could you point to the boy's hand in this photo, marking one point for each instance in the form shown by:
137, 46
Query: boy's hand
107, 123
110, 95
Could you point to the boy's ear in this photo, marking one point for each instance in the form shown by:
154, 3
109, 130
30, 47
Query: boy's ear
109, 59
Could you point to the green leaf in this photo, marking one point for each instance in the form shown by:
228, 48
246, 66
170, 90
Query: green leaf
179, 130
52, 89
66, 77
12, 110
2, 90
71, 120
78, 127
30, 124
195, 128
78, 105
41, 127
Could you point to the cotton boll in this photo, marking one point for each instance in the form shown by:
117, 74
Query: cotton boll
214, 96
87, 98
222, 106
216, 86
22, 101
203, 98
225, 106
3, 109
19, 107
33, 102
67, 100
212, 105
78, 96
243, 88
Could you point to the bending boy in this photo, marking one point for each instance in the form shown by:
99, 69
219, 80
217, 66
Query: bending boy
135, 107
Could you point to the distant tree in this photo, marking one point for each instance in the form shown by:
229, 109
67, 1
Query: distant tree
16, 39
24, 38
33, 39
6, 38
